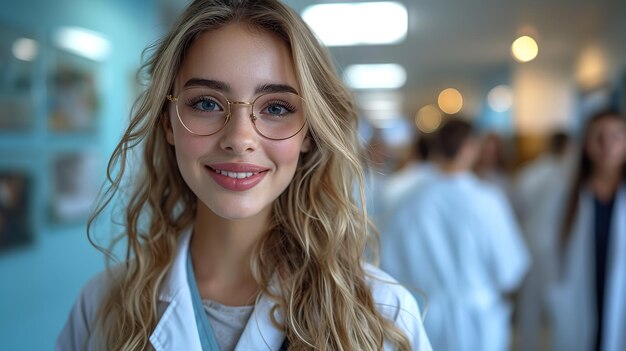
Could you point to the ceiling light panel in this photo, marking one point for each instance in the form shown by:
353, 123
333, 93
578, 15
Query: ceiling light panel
358, 23
375, 76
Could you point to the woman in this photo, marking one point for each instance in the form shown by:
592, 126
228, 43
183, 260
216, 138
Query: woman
241, 232
589, 298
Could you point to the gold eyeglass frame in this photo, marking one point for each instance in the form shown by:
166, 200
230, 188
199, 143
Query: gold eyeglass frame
253, 118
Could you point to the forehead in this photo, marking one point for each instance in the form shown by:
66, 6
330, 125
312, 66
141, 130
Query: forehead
608, 123
240, 56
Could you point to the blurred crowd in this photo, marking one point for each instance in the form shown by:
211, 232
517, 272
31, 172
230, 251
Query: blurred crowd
503, 254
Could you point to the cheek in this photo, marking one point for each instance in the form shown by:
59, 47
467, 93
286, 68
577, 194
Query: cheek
287, 156
620, 149
286, 153
188, 148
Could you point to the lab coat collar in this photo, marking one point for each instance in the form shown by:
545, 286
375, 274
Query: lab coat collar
177, 329
260, 333
176, 278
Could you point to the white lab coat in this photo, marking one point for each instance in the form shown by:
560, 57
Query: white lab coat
540, 195
457, 241
572, 298
373, 187
176, 329
385, 191
399, 183
399, 191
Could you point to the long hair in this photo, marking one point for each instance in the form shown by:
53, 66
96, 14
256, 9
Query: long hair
583, 176
318, 234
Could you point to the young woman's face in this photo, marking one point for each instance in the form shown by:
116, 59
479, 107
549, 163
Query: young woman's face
236, 173
606, 143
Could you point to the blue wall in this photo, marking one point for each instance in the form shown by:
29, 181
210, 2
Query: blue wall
39, 282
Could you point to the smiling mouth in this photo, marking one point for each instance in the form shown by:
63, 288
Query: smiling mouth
235, 175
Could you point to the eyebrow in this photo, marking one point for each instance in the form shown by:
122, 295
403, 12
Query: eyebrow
225, 87
275, 88
209, 83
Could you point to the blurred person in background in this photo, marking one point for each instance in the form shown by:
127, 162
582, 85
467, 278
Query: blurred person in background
377, 167
241, 230
456, 239
399, 188
413, 172
540, 189
493, 164
588, 298
555, 162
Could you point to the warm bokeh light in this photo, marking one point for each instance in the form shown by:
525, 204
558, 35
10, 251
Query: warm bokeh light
592, 67
25, 49
428, 119
450, 101
500, 98
524, 49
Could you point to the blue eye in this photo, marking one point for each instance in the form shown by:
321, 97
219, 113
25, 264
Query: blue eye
207, 104
276, 110
279, 108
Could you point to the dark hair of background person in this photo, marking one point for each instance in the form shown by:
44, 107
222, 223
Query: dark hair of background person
583, 174
451, 136
423, 146
558, 142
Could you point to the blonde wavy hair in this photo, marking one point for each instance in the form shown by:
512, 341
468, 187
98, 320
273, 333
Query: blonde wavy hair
318, 234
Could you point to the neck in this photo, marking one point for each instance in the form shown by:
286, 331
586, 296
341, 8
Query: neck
604, 184
451, 166
220, 251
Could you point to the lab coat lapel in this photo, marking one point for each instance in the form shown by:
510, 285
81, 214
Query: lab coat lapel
176, 329
260, 333
615, 306
572, 296
583, 272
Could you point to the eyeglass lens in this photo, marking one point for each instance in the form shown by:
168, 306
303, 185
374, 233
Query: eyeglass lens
275, 115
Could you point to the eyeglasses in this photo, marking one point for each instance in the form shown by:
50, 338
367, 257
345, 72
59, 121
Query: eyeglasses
203, 111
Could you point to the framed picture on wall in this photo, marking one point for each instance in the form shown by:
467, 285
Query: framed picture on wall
75, 181
19, 52
16, 208
73, 100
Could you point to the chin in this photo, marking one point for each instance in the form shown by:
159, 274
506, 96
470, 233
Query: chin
238, 216
234, 212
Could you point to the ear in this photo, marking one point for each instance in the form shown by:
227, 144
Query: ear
306, 144
167, 127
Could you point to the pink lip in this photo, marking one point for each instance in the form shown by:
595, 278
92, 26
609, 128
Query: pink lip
238, 167
237, 184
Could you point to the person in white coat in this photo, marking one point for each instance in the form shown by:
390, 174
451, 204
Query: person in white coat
456, 240
241, 230
588, 296
398, 189
413, 174
540, 189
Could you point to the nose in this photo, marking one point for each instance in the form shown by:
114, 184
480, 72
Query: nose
239, 135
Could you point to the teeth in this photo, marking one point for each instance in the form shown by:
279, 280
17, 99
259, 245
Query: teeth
236, 175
